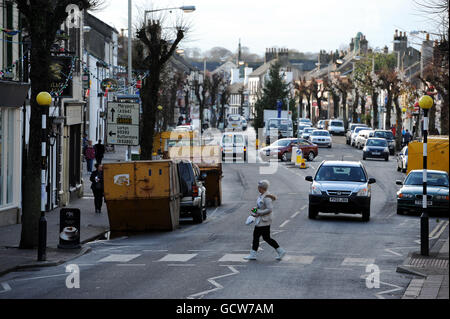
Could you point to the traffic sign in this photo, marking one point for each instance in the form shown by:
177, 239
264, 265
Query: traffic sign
123, 123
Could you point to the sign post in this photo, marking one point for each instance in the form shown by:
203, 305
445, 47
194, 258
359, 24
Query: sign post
123, 123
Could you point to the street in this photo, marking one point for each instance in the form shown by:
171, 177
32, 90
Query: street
326, 258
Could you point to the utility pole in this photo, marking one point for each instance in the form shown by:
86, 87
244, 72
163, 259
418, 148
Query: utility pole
130, 61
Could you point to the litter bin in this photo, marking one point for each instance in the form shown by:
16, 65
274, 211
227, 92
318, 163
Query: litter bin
142, 196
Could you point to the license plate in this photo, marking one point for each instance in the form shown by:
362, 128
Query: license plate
338, 200
228, 151
419, 202
376, 153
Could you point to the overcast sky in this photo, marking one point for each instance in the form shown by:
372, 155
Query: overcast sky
304, 25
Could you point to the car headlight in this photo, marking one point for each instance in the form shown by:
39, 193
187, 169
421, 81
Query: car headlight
315, 190
365, 149
405, 196
441, 197
386, 150
364, 192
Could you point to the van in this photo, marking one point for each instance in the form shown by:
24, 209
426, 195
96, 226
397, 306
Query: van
276, 128
336, 127
235, 122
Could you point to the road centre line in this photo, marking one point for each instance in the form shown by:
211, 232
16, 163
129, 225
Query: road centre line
42, 277
285, 223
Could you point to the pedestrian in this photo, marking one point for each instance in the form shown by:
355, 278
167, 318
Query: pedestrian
99, 151
263, 222
97, 187
407, 137
393, 130
89, 154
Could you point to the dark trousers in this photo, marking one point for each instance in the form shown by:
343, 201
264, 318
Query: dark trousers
99, 160
265, 233
90, 163
98, 199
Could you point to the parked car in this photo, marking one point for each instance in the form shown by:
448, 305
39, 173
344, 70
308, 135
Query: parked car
410, 196
305, 121
193, 200
351, 129
244, 124
283, 149
234, 145
388, 136
235, 122
307, 132
361, 138
402, 160
336, 127
340, 187
184, 128
321, 125
301, 128
355, 134
321, 138
376, 148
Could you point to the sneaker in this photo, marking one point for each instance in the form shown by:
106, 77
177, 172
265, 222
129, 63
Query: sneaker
252, 255
281, 253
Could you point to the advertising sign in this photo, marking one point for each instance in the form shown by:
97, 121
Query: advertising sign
69, 228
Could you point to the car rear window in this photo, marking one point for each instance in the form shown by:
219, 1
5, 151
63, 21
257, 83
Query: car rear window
341, 173
335, 123
234, 118
238, 139
227, 139
388, 135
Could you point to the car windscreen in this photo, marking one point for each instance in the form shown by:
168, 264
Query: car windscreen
320, 133
282, 143
234, 118
354, 127
387, 135
341, 174
377, 143
239, 139
227, 139
336, 123
308, 130
433, 179
358, 129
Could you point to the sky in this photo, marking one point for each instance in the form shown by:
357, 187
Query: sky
303, 25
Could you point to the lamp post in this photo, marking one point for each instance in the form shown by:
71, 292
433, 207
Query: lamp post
44, 99
186, 9
425, 103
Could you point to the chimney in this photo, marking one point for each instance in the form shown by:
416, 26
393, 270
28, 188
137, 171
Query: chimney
428, 37
395, 33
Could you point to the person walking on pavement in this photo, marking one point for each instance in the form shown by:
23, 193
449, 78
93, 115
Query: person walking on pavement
407, 137
264, 220
97, 187
89, 154
99, 151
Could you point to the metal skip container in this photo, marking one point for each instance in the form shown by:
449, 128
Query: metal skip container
142, 196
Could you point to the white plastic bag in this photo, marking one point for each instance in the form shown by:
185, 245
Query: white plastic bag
250, 220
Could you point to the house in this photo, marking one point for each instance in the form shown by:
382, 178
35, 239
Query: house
13, 94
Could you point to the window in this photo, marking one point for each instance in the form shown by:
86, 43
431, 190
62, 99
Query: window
433, 179
335, 123
378, 143
341, 173
384, 134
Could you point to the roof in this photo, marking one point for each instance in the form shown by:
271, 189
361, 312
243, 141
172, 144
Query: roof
263, 68
342, 163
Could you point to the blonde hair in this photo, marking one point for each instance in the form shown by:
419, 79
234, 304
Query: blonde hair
264, 184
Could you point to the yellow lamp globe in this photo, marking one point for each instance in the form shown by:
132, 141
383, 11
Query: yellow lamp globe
426, 102
404, 110
160, 107
44, 99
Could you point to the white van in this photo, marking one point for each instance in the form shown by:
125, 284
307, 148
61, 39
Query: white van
235, 122
336, 127
234, 145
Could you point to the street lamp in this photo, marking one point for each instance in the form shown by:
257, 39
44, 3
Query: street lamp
425, 103
44, 99
186, 9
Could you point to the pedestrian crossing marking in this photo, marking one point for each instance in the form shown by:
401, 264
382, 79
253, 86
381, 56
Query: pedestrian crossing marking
305, 260
357, 261
119, 258
177, 257
234, 257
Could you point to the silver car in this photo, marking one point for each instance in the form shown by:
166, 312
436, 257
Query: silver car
340, 187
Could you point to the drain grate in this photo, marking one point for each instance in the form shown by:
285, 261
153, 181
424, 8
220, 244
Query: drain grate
425, 263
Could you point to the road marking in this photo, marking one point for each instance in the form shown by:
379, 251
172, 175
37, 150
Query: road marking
338, 269
234, 258
181, 265
285, 223
378, 295
436, 232
6, 287
215, 283
131, 265
305, 260
119, 258
357, 261
393, 252
158, 251
42, 277
177, 257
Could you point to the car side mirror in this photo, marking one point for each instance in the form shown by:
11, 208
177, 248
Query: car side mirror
372, 180
309, 178
400, 183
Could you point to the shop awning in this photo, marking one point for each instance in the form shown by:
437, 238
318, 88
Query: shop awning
13, 94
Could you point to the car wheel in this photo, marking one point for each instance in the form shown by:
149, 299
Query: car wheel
366, 215
364, 158
403, 170
284, 157
312, 212
197, 215
311, 156
204, 213
398, 168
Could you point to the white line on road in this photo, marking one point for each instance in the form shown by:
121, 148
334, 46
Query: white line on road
6, 287
216, 284
43, 277
131, 265
285, 223
181, 265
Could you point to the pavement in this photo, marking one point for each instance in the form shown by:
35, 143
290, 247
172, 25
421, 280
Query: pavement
431, 273
93, 226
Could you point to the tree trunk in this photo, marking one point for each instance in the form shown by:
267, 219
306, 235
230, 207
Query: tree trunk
336, 100
355, 106
344, 105
399, 123
432, 120
388, 110
363, 108
375, 110
444, 115
31, 177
